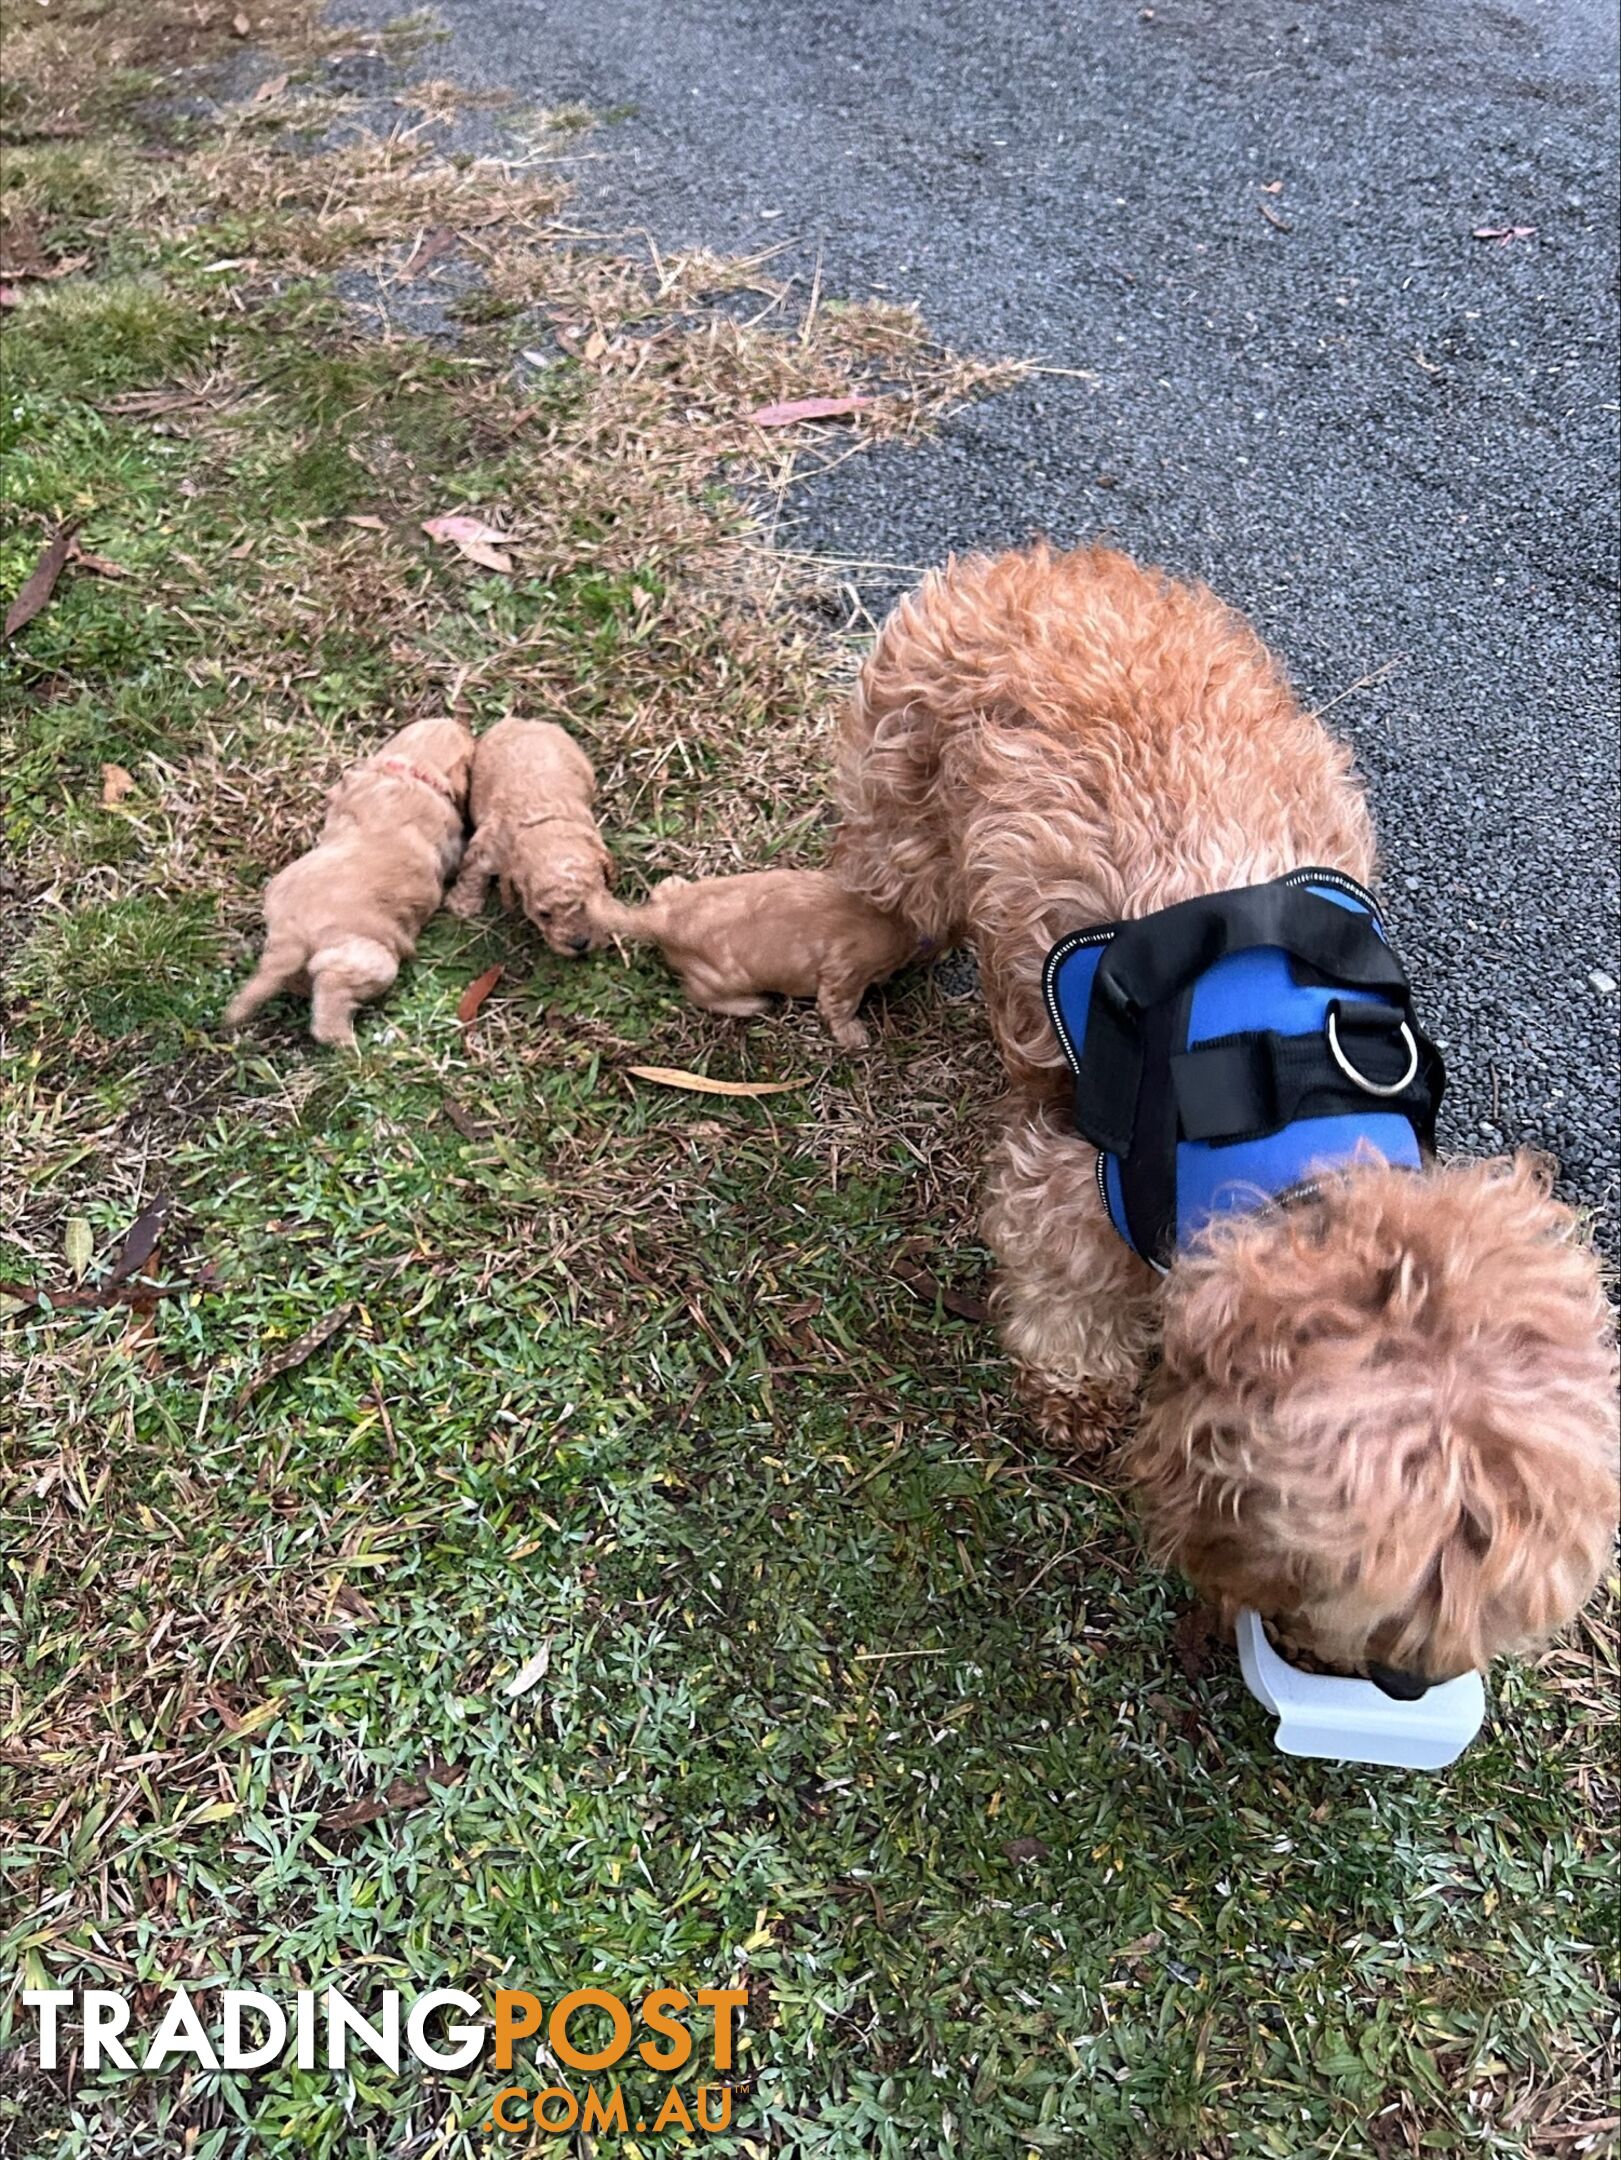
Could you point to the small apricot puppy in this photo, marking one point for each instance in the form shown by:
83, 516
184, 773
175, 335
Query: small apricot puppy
533, 788
736, 940
340, 919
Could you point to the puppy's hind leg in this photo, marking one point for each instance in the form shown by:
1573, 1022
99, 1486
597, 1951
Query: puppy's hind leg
466, 896
1074, 1304
837, 997
281, 964
344, 977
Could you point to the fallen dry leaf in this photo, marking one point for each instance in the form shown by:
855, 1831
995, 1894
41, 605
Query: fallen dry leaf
21, 255
367, 524
10, 296
1503, 233
479, 542
1197, 1632
467, 1006
99, 565
528, 1673
1271, 187
810, 408
240, 26
41, 581
139, 1296
140, 1339
115, 785
140, 1241
19, 1294
268, 90
701, 1084
296, 1352
78, 1246
1278, 224
429, 249
1141, 1945
403, 1793
926, 1286
594, 347
222, 1709
1026, 1848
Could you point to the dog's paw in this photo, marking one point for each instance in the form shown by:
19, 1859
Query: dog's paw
464, 903
851, 1035
1087, 1420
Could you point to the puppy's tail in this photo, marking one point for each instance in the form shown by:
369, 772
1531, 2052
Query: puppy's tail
651, 921
280, 965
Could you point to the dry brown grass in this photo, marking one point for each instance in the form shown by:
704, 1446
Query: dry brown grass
67, 69
624, 462
643, 612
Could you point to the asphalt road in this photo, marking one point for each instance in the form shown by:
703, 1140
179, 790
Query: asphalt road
1303, 379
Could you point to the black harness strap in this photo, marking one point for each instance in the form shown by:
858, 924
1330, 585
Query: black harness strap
1241, 1087
1157, 957
1148, 1166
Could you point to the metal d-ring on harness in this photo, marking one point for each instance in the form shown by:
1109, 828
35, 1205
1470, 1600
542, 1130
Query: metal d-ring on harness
1227, 1047
1351, 1072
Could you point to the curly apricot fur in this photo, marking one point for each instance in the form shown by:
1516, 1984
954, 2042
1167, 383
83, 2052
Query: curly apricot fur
1387, 1419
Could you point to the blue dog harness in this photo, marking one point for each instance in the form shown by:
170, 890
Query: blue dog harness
1228, 1048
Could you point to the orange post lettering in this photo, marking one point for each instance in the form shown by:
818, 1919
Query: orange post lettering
499, 2118
589, 2058
656, 2016
725, 2002
517, 2015
556, 2123
600, 2114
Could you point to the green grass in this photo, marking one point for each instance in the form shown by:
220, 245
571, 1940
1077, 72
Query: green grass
92, 338
850, 1693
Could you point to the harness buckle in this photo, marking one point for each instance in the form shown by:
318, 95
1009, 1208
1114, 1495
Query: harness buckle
1359, 1078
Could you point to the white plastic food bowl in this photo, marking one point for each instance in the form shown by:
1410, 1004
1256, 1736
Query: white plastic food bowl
1352, 1720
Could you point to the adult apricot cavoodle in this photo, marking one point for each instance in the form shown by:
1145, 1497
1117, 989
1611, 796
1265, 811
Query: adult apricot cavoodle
1384, 1408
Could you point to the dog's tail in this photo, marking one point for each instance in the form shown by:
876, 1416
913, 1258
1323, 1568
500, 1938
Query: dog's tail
280, 965
649, 922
